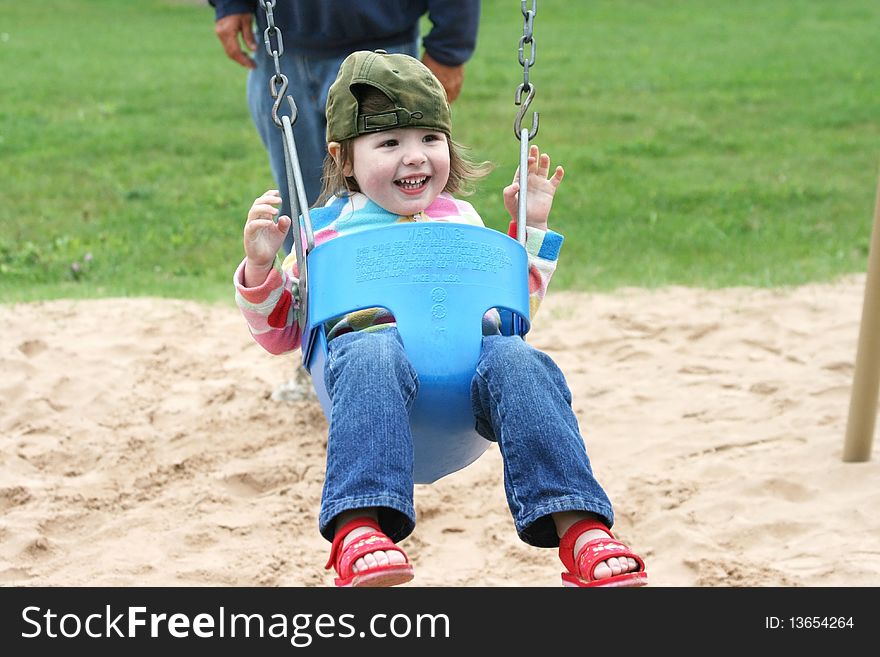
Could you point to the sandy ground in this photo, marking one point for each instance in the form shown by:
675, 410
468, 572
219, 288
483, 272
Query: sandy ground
141, 446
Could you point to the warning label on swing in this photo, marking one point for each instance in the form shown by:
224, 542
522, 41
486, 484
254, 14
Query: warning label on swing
430, 255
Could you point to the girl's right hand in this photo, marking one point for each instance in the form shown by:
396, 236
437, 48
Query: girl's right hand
262, 236
542, 189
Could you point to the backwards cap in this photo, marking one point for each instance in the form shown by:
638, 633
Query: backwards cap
419, 98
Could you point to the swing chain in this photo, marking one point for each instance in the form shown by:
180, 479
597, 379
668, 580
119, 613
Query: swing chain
295, 188
526, 62
278, 82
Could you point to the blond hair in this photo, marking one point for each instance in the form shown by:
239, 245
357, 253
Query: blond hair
463, 172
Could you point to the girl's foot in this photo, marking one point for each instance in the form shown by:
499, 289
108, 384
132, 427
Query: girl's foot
610, 567
371, 559
363, 555
593, 557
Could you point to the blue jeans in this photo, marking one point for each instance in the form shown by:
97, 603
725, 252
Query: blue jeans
520, 399
309, 77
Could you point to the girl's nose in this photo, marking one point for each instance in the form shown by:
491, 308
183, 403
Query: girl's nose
414, 155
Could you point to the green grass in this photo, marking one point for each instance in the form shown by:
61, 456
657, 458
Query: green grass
705, 143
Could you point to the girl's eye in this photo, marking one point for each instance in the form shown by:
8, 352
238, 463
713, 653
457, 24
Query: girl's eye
389, 142
431, 138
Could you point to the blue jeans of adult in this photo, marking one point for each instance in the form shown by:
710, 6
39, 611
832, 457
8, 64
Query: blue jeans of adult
520, 400
309, 77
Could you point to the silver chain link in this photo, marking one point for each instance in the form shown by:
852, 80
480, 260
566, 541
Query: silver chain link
278, 82
527, 62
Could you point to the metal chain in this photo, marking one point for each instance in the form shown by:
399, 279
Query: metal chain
528, 38
278, 82
296, 197
524, 134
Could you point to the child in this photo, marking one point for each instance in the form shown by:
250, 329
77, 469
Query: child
391, 159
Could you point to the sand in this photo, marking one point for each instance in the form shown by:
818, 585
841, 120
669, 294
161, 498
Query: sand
140, 446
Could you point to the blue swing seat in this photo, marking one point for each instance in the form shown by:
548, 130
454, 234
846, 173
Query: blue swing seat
438, 280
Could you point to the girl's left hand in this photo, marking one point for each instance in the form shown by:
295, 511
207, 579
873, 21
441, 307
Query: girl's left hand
541, 190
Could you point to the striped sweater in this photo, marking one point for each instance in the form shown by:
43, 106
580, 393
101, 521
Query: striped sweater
269, 308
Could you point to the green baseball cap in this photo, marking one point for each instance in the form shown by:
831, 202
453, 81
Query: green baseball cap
419, 98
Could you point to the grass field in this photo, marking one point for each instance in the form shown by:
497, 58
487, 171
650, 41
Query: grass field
709, 143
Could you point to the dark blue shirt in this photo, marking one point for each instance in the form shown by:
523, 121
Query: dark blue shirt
338, 27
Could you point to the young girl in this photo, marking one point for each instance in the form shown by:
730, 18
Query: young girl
391, 159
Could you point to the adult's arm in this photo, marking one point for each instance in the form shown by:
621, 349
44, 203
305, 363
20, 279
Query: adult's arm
451, 41
233, 25
453, 35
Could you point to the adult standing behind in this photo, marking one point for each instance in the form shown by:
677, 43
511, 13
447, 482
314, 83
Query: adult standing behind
318, 35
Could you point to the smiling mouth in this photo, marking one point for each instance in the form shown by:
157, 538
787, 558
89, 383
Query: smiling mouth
414, 184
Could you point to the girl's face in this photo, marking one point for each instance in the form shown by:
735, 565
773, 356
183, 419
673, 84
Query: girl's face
402, 170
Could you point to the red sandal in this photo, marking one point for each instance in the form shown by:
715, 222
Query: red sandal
581, 567
342, 558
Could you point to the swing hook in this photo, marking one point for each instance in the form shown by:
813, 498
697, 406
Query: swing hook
277, 88
524, 107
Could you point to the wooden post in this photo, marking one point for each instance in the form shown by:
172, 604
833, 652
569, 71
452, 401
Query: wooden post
866, 379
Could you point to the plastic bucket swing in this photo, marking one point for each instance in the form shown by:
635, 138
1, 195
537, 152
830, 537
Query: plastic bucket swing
438, 280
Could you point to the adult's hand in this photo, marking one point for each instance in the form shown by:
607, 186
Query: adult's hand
451, 77
228, 30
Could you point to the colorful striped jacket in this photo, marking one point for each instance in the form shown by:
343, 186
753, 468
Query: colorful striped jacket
269, 308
